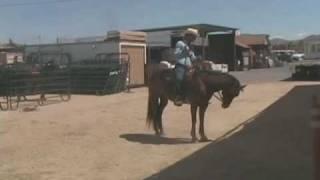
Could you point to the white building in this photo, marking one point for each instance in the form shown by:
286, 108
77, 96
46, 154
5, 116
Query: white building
10, 53
312, 48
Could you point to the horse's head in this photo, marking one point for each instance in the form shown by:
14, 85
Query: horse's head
229, 93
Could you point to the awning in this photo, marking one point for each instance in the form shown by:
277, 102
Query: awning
244, 46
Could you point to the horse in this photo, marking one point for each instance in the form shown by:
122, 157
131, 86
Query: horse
201, 84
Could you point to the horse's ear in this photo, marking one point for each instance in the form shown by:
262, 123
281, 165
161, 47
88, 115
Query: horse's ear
242, 87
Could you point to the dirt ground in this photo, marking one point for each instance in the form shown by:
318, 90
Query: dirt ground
106, 138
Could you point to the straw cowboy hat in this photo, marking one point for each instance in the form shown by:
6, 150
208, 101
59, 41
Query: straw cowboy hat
191, 31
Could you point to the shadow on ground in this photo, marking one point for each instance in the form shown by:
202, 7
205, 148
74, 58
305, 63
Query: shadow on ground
276, 145
152, 139
50, 100
311, 79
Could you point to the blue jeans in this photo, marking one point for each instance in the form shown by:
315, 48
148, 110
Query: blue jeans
180, 72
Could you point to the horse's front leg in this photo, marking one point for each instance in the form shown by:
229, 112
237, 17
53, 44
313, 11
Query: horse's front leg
202, 112
163, 104
194, 109
43, 97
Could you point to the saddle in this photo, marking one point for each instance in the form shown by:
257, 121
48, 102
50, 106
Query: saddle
169, 77
169, 74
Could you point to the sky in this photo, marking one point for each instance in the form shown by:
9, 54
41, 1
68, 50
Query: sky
33, 21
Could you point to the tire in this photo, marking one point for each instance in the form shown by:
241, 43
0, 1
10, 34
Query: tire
65, 97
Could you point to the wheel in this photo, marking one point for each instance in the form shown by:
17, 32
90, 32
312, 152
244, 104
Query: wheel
4, 108
65, 97
41, 100
13, 104
99, 93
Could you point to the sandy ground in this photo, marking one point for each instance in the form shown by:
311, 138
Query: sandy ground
105, 138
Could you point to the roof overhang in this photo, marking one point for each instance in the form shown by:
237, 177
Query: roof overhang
202, 28
244, 46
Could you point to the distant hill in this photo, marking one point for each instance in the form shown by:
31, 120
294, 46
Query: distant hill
312, 37
298, 45
277, 41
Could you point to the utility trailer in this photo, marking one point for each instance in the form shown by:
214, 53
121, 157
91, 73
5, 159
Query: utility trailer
308, 69
305, 70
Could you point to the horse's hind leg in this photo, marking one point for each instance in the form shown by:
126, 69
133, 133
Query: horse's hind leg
163, 104
194, 109
202, 112
155, 106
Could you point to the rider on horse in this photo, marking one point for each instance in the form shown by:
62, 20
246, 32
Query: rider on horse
184, 58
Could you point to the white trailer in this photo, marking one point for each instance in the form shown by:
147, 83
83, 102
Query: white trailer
310, 67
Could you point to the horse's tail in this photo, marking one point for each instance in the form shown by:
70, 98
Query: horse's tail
151, 109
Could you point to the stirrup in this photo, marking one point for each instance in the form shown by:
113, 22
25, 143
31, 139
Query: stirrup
186, 101
178, 102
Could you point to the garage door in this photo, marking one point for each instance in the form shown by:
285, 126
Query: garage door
137, 58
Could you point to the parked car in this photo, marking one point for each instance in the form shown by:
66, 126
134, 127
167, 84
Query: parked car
297, 57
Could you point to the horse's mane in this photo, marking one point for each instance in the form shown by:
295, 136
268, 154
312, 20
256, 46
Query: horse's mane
210, 72
219, 73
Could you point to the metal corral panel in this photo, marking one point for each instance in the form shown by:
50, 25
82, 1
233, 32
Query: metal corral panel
3, 58
99, 77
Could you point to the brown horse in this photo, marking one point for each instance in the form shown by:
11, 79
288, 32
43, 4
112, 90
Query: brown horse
200, 86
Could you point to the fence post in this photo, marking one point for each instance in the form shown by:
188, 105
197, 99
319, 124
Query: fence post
128, 77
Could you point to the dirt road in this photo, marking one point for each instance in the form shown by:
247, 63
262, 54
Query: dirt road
105, 138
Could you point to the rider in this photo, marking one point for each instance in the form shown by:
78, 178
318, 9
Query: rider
184, 57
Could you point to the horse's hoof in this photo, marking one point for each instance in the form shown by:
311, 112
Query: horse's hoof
160, 134
194, 140
204, 139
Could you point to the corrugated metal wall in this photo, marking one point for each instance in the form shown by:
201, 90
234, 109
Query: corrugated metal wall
312, 50
88, 51
159, 38
78, 51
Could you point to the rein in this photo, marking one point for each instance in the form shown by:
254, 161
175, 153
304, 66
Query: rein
219, 96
